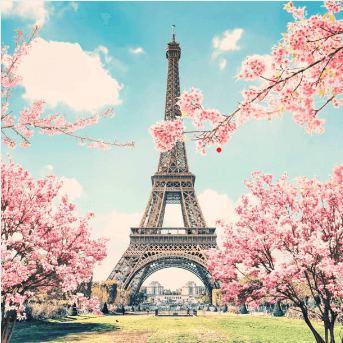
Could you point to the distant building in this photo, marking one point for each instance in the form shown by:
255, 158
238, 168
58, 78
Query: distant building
154, 288
175, 299
191, 289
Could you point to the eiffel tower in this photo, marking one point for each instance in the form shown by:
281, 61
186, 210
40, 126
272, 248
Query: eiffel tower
152, 246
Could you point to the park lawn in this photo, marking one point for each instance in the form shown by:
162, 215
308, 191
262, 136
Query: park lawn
151, 329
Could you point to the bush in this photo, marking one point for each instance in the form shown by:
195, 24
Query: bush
105, 309
28, 312
106, 291
122, 297
278, 311
44, 311
294, 313
216, 297
112, 309
232, 309
72, 310
244, 309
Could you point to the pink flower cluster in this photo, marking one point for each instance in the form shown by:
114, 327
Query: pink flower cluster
167, 133
333, 6
338, 175
298, 13
190, 102
42, 247
31, 119
15, 303
85, 305
252, 68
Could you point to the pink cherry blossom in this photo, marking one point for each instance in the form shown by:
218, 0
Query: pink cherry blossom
85, 305
333, 6
338, 175
166, 133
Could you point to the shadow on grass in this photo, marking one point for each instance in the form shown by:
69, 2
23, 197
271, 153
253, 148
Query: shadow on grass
44, 331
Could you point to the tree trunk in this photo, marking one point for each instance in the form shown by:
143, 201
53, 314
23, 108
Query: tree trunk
5, 338
332, 333
12, 328
316, 335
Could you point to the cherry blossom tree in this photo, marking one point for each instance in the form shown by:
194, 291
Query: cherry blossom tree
43, 245
305, 76
85, 305
31, 119
291, 235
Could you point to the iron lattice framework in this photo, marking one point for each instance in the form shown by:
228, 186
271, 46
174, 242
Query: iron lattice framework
152, 246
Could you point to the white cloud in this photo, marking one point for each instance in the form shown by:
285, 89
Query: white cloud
63, 72
103, 51
70, 187
33, 11
6, 7
226, 43
62, 7
137, 51
118, 225
214, 207
173, 216
74, 5
222, 63
49, 167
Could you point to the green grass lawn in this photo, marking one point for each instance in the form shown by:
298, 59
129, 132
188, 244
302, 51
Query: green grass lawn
151, 329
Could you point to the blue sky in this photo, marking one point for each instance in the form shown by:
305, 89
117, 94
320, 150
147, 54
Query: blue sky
97, 54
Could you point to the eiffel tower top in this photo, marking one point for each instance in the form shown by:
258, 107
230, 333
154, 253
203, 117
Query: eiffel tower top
173, 54
173, 162
173, 48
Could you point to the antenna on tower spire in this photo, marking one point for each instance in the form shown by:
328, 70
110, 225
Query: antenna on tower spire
173, 33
